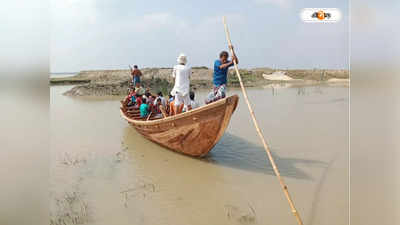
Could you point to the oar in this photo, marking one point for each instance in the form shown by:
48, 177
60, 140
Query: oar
131, 85
148, 117
271, 159
163, 111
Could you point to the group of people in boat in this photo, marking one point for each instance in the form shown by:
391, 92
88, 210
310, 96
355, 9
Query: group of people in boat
157, 105
180, 99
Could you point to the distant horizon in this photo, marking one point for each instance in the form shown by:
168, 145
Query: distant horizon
203, 66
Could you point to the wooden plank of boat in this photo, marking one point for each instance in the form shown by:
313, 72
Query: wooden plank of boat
192, 133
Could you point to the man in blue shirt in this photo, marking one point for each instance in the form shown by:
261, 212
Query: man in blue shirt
221, 67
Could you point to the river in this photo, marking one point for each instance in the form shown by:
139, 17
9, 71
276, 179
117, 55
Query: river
103, 172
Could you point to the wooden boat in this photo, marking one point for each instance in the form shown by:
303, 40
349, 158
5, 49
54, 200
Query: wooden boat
192, 133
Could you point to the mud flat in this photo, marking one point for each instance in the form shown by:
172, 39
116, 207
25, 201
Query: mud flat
116, 82
68, 80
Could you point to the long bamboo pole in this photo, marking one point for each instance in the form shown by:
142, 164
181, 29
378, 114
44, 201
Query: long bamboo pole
271, 159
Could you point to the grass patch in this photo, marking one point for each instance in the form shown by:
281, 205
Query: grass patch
200, 67
158, 84
249, 77
68, 80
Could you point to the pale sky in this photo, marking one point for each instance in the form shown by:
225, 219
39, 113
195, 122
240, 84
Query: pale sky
104, 34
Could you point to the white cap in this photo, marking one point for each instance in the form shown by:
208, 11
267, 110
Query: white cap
182, 58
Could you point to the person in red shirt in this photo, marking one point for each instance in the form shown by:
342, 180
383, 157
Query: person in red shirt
138, 100
136, 74
156, 108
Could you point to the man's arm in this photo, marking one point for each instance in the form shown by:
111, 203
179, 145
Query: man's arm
131, 70
173, 72
228, 64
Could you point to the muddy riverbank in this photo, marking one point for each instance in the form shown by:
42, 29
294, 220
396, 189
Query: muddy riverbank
116, 82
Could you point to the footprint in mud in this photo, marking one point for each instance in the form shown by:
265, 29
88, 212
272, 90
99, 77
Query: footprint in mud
241, 215
142, 190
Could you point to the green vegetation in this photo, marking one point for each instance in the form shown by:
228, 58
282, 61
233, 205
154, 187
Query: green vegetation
200, 67
158, 84
249, 78
68, 80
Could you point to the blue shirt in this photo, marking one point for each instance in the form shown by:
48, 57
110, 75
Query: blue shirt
220, 75
144, 110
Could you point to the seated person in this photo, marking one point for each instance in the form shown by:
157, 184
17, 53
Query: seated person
147, 91
144, 109
160, 96
169, 100
151, 102
156, 109
147, 96
152, 99
139, 89
138, 101
193, 103
171, 108
216, 94
127, 99
132, 101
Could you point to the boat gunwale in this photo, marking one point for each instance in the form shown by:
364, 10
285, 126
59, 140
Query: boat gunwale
181, 115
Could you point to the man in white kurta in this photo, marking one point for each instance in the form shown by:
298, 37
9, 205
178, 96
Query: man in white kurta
181, 73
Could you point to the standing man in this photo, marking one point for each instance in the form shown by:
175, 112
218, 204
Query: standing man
181, 73
136, 74
221, 67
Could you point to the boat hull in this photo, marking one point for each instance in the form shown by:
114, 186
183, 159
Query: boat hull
192, 133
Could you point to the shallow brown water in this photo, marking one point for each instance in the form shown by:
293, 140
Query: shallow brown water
103, 172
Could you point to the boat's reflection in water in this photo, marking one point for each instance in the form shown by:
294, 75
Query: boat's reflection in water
231, 151
236, 152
